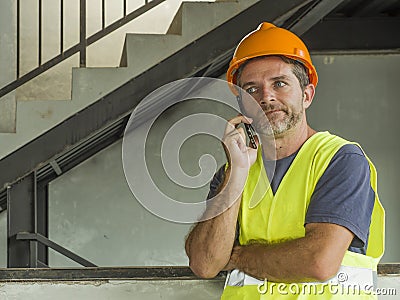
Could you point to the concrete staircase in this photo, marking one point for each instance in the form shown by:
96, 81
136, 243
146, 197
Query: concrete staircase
140, 52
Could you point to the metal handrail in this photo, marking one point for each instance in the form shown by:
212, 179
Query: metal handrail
81, 47
36, 237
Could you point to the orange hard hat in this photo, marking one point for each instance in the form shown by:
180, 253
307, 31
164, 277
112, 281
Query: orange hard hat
268, 39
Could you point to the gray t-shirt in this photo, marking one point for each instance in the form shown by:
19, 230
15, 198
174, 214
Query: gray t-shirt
342, 196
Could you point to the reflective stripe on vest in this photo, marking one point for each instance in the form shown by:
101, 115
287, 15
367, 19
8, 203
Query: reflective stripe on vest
358, 278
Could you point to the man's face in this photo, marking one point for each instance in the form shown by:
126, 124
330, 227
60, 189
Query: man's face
271, 82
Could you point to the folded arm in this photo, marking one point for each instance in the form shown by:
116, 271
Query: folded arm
315, 257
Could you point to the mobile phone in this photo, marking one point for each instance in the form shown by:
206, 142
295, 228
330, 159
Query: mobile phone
251, 133
248, 128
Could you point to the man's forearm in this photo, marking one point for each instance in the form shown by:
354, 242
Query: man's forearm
209, 245
283, 262
315, 257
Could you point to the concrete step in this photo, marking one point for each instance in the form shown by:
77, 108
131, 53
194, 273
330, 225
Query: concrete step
142, 51
8, 113
209, 15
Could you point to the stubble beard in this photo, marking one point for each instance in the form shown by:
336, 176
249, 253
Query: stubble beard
279, 126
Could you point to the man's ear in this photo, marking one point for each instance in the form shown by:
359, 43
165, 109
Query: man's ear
308, 95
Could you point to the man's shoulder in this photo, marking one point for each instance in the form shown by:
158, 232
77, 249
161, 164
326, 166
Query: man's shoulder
346, 148
341, 146
350, 149
350, 157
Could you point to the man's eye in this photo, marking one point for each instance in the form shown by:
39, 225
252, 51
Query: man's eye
280, 84
251, 90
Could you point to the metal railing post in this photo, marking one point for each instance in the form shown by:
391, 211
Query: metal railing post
103, 14
40, 33
18, 36
82, 40
35, 238
61, 26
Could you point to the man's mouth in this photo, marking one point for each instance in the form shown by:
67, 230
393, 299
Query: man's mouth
273, 111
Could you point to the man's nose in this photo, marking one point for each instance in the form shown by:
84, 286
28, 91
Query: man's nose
267, 96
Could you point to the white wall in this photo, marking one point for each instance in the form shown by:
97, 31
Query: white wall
98, 218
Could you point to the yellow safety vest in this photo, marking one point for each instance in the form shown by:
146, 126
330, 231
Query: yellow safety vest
281, 216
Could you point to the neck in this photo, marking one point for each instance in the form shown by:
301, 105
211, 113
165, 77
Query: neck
286, 143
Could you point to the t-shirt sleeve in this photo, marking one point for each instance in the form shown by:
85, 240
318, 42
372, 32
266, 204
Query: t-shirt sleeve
344, 196
215, 183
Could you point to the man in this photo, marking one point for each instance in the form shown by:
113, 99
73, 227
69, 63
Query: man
315, 229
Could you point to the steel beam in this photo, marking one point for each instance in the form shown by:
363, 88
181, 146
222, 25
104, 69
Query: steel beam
27, 211
360, 34
21, 217
313, 15
372, 7
42, 220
